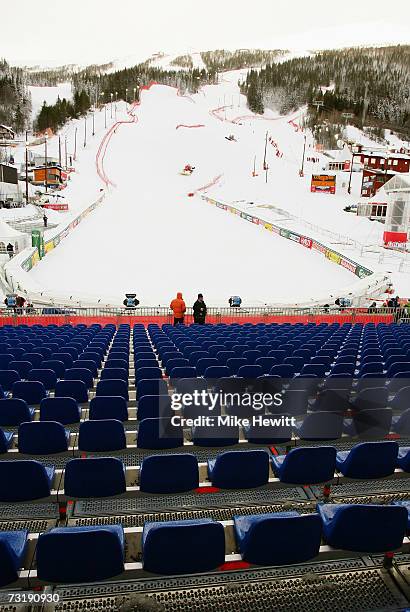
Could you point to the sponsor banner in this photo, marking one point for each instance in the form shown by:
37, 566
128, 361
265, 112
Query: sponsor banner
284, 233
223, 206
325, 183
35, 258
362, 272
56, 240
333, 256
276, 229
255, 220
306, 242
348, 265
56, 206
26, 265
268, 226
49, 246
294, 237
319, 247
394, 239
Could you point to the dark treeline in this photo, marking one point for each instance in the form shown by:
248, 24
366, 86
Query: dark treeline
62, 74
220, 59
288, 85
183, 61
15, 101
55, 115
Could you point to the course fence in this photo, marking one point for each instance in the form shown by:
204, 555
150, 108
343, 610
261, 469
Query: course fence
305, 241
60, 316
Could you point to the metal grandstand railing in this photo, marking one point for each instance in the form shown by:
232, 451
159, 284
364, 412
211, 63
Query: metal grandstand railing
161, 315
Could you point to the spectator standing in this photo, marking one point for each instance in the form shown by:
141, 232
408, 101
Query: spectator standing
178, 308
199, 309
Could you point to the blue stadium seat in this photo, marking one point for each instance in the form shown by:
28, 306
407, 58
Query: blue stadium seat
112, 387
108, 407
404, 504
403, 458
305, 465
45, 376
315, 368
64, 410
6, 438
280, 538
216, 372
368, 460
24, 480
183, 547
373, 423
102, 436
72, 388
175, 363
64, 357
13, 545
36, 359
114, 373
223, 435
223, 356
320, 426
56, 366
14, 411
266, 363
204, 363
88, 364
284, 370
147, 374
183, 372
94, 477
239, 469
31, 391
363, 527
151, 387
175, 473
159, 433
90, 553
400, 423
250, 371
42, 438
95, 356
8, 378
5, 359
82, 374
251, 356
116, 363
22, 367
154, 406
234, 364
373, 398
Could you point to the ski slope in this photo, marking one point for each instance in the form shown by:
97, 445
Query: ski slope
149, 237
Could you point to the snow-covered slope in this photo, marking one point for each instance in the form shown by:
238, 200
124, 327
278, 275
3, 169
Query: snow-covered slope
150, 237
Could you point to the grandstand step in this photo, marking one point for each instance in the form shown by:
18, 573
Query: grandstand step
330, 586
189, 501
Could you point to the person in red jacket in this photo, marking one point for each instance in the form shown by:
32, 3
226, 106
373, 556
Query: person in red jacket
178, 308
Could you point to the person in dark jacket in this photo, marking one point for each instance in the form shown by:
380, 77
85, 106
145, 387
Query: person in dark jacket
10, 249
199, 310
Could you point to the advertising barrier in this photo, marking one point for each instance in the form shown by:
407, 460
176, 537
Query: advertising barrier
324, 183
305, 241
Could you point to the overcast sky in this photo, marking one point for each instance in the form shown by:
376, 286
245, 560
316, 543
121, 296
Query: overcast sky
87, 31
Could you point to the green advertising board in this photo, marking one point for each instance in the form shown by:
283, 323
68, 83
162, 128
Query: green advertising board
37, 241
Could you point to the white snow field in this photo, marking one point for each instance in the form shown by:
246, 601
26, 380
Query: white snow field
149, 237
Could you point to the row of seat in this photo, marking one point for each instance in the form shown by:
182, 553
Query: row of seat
95, 553
24, 480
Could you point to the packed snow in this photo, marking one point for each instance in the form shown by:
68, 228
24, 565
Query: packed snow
149, 237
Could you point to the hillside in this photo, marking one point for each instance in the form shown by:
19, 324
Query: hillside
352, 80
